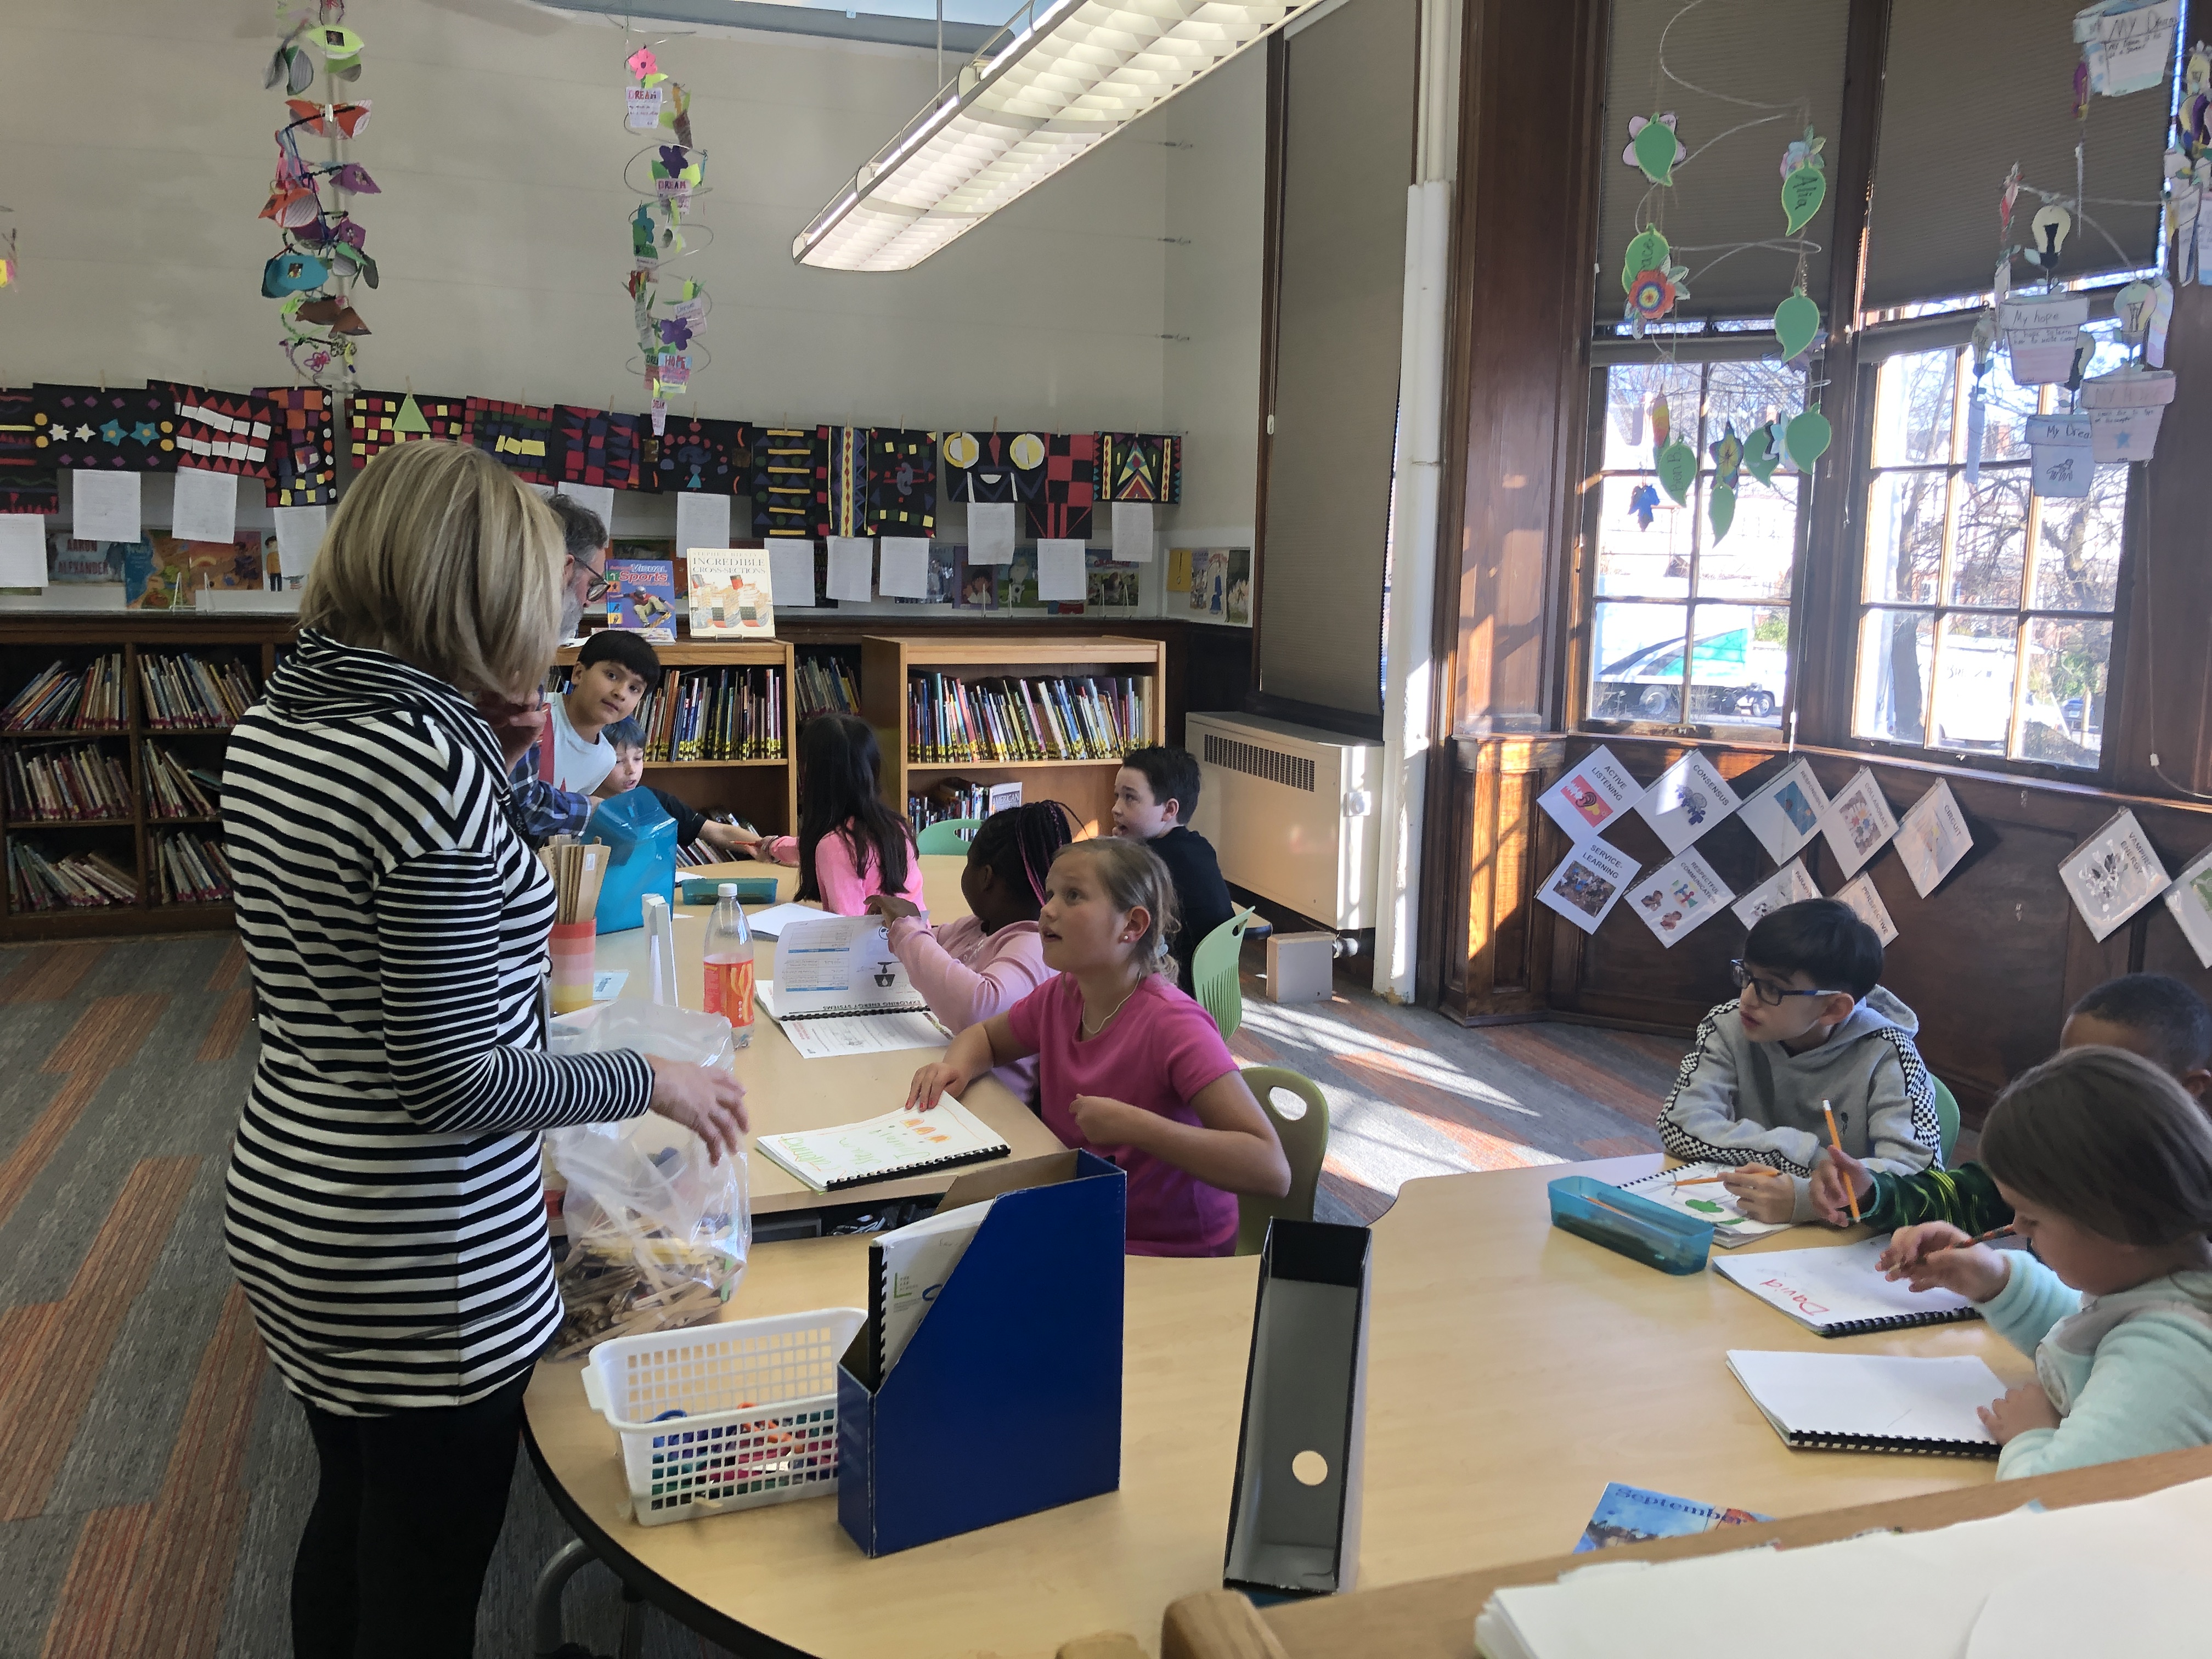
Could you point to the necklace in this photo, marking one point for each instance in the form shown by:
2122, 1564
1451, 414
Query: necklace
1083, 1024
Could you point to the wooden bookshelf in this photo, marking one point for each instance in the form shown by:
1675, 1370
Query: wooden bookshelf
28, 644
764, 792
1085, 786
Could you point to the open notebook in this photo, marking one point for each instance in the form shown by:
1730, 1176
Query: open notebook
1872, 1401
900, 1143
1704, 1203
839, 990
1838, 1290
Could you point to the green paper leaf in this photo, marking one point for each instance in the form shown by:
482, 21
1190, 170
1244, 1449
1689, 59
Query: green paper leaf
1655, 151
1802, 192
1677, 470
1722, 510
1807, 439
1796, 321
1647, 250
1759, 456
1706, 1204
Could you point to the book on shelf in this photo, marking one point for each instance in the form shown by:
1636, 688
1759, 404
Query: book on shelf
60, 698
643, 598
189, 869
184, 693
825, 684
953, 721
956, 797
58, 784
174, 790
76, 881
715, 714
733, 593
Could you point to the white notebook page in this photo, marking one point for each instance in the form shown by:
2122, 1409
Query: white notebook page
1877, 1396
1835, 1285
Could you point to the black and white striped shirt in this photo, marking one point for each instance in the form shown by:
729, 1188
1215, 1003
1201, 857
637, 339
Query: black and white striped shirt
385, 1211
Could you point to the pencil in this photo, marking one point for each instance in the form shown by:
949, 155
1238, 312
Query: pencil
1741, 1169
1850, 1192
1979, 1238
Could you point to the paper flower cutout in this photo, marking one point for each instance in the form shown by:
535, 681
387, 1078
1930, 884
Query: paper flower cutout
145, 433
1662, 422
1643, 502
641, 62
1804, 153
1654, 293
113, 432
1727, 451
1650, 153
675, 331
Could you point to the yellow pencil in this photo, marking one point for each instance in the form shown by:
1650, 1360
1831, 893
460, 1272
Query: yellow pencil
1836, 1141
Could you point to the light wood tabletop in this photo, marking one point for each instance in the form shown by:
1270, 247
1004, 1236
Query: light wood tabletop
1512, 1370
784, 1091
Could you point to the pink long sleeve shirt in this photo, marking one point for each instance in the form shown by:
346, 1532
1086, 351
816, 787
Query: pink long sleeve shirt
966, 975
845, 889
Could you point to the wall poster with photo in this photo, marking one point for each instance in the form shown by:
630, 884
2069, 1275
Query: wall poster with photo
1588, 883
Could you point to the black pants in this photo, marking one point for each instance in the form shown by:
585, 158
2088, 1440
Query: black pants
410, 1505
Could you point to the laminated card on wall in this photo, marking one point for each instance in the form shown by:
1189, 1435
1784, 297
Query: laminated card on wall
1686, 799
1866, 904
1785, 812
1932, 837
1858, 822
1790, 884
1588, 883
1679, 896
1592, 793
2113, 874
2189, 898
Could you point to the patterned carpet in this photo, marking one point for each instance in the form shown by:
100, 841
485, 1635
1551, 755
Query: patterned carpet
153, 1475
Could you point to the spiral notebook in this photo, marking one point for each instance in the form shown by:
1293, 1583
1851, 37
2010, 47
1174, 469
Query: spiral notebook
1870, 1401
1839, 1291
901, 1143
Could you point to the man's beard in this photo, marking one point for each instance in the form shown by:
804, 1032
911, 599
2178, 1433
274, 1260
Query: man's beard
572, 613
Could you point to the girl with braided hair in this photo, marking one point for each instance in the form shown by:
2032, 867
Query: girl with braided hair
990, 959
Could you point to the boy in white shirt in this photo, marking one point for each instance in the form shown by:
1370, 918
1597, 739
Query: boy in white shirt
613, 672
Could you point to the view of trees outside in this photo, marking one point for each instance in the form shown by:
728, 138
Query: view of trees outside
1987, 611
1682, 621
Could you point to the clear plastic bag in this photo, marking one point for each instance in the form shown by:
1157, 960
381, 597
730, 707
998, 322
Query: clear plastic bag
657, 1235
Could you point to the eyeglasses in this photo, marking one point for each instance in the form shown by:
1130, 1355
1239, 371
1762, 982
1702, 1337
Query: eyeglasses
1767, 991
599, 587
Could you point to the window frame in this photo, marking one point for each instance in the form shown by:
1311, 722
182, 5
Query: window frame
1608, 353
1876, 347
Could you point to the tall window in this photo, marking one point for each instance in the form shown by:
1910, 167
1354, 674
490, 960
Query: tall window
1986, 612
1688, 628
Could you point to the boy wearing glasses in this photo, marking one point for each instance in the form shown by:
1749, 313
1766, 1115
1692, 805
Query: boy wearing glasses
1813, 1025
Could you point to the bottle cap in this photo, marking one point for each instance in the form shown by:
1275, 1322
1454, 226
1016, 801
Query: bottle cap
727, 890
653, 898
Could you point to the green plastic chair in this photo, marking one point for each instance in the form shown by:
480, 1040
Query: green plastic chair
1305, 1143
951, 835
1946, 1117
1214, 974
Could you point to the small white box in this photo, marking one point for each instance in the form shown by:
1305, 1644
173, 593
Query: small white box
1301, 967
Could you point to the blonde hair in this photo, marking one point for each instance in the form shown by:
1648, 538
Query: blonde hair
1133, 876
441, 557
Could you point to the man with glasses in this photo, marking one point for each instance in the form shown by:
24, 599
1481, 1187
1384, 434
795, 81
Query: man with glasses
1812, 1032
547, 811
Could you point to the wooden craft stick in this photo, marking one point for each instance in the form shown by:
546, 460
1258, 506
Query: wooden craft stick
1850, 1192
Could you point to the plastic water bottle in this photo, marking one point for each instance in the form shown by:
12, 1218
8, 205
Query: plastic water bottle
729, 964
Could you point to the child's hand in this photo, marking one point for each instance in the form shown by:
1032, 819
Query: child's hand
727, 836
1762, 1194
891, 908
932, 1080
1924, 1257
2023, 1408
1107, 1122
1838, 1177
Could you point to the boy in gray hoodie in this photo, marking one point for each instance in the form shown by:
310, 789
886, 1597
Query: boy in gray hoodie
1813, 1025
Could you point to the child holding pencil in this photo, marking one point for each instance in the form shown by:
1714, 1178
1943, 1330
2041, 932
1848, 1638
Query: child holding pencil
1128, 1066
2106, 1163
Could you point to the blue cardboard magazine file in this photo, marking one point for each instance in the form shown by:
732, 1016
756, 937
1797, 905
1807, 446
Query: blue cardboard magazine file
643, 858
1007, 1398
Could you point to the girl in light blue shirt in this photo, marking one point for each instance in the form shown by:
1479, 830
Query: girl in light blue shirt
2108, 1164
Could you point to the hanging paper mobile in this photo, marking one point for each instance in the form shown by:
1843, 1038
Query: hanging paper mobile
1653, 147
324, 252
1804, 180
1727, 451
1661, 422
1806, 439
1762, 453
1643, 502
1796, 325
2048, 232
666, 315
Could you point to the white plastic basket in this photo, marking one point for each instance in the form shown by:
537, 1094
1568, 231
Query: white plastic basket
759, 1405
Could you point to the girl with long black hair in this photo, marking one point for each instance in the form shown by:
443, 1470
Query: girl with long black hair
849, 843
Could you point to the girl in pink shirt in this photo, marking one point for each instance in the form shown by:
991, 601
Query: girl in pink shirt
982, 965
849, 844
1128, 1066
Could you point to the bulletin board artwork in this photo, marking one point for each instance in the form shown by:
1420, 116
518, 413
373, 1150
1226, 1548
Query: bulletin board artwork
848, 482
901, 482
83, 428
27, 480
983, 466
696, 455
376, 421
519, 436
789, 482
1062, 488
225, 431
302, 460
598, 447
1140, 466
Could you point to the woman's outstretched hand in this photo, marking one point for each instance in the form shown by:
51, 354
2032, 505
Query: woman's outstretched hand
707, 1101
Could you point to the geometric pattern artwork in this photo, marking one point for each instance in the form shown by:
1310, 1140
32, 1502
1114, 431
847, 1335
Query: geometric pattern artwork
306, 467
848, 482
595, 447
519, 436
979, 466
698, 455
1060, 492
901, 482
28, 484
1140, 466
224, 431
82, 429
790, 481
375, 421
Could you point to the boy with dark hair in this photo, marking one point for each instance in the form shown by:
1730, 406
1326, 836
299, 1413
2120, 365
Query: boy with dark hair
1155, 793
627, 737
1812, 1029
2153, 1015
613, 672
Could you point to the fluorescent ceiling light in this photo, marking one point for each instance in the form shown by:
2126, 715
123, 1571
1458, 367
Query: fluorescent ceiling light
1062, 76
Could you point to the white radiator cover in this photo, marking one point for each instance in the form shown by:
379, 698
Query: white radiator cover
1291, 812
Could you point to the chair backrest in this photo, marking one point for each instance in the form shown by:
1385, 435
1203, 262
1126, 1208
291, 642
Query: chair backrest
1946, 1117
949, 836
1214, 974
1305, 1143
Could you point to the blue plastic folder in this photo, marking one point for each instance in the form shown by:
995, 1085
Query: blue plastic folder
1007, 1399
642, 859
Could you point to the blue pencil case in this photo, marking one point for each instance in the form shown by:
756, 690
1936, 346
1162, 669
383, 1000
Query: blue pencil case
1635, 1227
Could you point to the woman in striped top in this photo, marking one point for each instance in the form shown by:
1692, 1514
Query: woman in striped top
384, 1214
